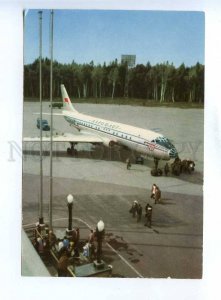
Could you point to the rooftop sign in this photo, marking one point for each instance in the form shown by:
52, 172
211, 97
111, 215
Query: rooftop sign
129, 59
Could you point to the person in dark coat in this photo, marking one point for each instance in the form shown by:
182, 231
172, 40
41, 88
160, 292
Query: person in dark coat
139, 212
148, 215
166, 169
63, 263
133, 209
128, 162
157, 195
52, 238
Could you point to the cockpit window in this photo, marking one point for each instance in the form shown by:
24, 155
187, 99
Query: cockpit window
164, 142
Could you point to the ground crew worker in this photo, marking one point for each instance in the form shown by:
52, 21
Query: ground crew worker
148, 215
139, 212
128, 162
166, 169
133, 209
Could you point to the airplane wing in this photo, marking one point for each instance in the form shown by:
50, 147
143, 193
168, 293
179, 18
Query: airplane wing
48, 114
71, 138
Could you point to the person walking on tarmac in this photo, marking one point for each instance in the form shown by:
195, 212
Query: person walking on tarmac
128, 162
153, 191
148, 215
166, 169
139, 212
157, 195
133, 209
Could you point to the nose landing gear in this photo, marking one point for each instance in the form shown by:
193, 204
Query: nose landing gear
71, 151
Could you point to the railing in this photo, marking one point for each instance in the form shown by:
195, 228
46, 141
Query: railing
50, 258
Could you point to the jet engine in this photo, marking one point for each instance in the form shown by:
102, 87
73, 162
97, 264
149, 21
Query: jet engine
109, 143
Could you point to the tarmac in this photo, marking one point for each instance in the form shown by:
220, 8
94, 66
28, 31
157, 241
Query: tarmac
104, 189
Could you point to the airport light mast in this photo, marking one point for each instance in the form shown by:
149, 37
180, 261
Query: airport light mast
41, 219
51, 133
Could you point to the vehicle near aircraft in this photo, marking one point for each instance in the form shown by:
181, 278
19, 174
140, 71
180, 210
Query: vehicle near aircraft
99, 131
42, 123
56, 105
182, 166
139, 160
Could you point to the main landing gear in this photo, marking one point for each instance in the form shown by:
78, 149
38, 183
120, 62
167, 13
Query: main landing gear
71, 151
156, 171
156, 162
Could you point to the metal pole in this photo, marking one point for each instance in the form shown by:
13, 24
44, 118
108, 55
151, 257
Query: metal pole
70, 205
99, 246
40, 99
51, 135
23, 36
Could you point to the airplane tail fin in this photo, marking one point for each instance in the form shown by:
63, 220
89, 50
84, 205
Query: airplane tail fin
66, 100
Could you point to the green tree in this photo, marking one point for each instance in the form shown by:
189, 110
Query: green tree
160, 82
164, 71
85, 77
97, 78
153, 75
113, 77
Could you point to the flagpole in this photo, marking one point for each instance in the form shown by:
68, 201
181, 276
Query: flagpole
51, 135
41, 219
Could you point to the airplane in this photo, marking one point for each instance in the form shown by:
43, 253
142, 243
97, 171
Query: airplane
99, 131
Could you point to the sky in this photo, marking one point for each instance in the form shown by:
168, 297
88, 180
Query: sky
104, 35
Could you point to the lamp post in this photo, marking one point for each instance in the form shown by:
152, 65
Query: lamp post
51, 132
70, 200
99, 235
41, 219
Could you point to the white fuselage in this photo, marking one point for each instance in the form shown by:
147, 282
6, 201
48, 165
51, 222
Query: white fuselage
140, 140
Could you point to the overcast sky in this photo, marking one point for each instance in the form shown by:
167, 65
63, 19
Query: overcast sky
104, 35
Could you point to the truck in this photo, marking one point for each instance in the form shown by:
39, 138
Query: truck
56, 105
43, 124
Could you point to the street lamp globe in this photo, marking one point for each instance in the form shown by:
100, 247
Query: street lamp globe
100, 226
70, 199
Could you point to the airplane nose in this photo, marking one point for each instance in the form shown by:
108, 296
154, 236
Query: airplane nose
173, 153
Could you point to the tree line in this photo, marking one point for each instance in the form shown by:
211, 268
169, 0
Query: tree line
162, 82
